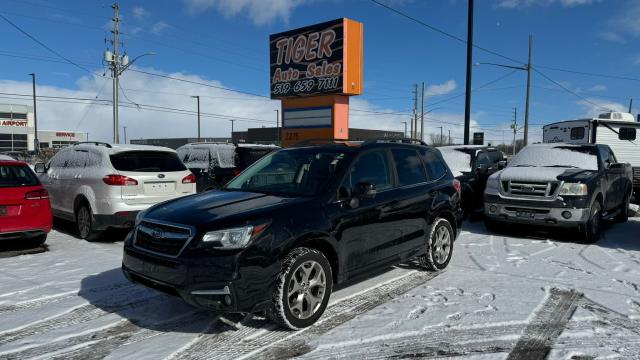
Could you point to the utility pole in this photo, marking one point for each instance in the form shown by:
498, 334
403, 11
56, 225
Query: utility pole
34, 106
232, 121
526, 109
124, 128
405, 129
441, 138
449, 136
115, 70
422, 115
197, 97
414, 121
514, 126
467, 102
36, 143
277, 126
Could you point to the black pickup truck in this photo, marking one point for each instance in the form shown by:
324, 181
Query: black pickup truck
560, 185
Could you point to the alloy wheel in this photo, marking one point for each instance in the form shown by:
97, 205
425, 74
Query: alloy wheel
84, 222
306, 289
441, 245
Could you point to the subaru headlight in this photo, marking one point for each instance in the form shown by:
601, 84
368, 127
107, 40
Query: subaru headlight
236, 238
573, 189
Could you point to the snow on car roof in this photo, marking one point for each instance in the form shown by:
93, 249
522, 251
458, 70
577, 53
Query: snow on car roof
118, 148
459, 161
555, 155
6, 157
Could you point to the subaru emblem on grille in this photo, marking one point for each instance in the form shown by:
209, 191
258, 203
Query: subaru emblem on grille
161, 176
157, 233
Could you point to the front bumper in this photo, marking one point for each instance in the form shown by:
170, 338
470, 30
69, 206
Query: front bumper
22, 235
202, 278
525, 212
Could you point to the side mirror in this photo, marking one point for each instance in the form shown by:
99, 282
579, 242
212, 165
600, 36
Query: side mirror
502, 164
617, 168
40, 168
364, 191
482, 169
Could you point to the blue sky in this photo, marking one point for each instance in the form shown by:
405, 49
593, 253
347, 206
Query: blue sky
225, 43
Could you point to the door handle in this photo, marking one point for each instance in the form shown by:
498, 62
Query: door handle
77, 176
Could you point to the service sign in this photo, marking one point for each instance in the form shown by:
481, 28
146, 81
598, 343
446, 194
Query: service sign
313, 60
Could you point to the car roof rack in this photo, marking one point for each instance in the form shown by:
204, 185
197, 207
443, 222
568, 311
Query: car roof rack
398, 141
97, 143
320, 141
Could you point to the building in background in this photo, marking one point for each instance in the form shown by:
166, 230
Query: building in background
269, 135
175, 143
17, 131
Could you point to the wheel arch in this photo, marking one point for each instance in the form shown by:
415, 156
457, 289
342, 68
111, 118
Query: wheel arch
323, 243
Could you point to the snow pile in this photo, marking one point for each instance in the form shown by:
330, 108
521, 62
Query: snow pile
459, 162
555, 155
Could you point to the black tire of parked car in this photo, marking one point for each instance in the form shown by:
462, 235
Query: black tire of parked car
84, 223
590, 232
439, 246
280, 311
623, 216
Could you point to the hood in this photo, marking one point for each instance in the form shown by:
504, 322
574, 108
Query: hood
209, 206
543, 174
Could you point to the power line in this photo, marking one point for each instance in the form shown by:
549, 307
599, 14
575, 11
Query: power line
45, 46
442, 32
570, 91
198, 83
618, 77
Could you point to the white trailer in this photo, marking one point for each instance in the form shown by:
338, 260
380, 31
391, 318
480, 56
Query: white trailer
616, 129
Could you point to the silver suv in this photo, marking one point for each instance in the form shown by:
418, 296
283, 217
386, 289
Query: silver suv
99, 186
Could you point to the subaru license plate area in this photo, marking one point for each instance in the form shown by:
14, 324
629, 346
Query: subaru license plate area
159, 188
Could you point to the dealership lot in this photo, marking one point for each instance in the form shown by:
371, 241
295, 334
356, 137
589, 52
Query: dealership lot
502, 294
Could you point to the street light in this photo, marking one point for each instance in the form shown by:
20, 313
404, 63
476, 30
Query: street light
405, 129
36, 145
197, 97
526, 67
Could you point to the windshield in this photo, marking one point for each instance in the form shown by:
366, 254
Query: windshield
582, 157
11, 176
146, 161
297, 172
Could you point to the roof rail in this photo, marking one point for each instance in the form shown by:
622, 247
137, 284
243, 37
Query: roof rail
391, 140
98, 143
319, 141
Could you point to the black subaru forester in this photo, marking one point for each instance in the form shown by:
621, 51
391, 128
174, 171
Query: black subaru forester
279, 236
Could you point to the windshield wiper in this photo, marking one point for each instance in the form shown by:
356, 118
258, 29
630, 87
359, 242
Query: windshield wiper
563, 166
523, 165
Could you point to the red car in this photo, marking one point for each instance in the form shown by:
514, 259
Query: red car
25, 212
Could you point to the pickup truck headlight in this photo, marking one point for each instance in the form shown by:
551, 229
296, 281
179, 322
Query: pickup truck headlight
573, 189
235, 238
493, 186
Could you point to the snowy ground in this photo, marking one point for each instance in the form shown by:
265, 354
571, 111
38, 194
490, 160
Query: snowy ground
502, 297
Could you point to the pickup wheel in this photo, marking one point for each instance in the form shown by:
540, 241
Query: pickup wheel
439, 246
623, 216
302, 289
590, 232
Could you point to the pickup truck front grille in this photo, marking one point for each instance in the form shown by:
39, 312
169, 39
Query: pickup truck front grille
636, 177
529, 189
161, 238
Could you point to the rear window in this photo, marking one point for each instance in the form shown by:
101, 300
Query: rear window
247, 156
12, 176
147, 161
435, 167
409, 167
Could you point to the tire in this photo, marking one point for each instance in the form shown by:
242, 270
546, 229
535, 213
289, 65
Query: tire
291, 280
623, 217
85, 224
590, 232
439, 246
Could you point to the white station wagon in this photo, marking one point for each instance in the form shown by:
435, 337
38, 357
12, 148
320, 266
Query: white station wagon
99, 185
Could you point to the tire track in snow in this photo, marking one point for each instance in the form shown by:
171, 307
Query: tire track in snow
245, 338
546, 325
39, 302
81, 314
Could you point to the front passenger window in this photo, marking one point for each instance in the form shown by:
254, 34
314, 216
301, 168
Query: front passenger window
370, 168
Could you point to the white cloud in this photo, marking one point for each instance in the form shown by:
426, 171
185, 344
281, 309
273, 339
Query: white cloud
512, 4
97, 119
624, 23
261, 12
598, 87
441, 89
594, 106
612, 37
139, 12
159, 27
